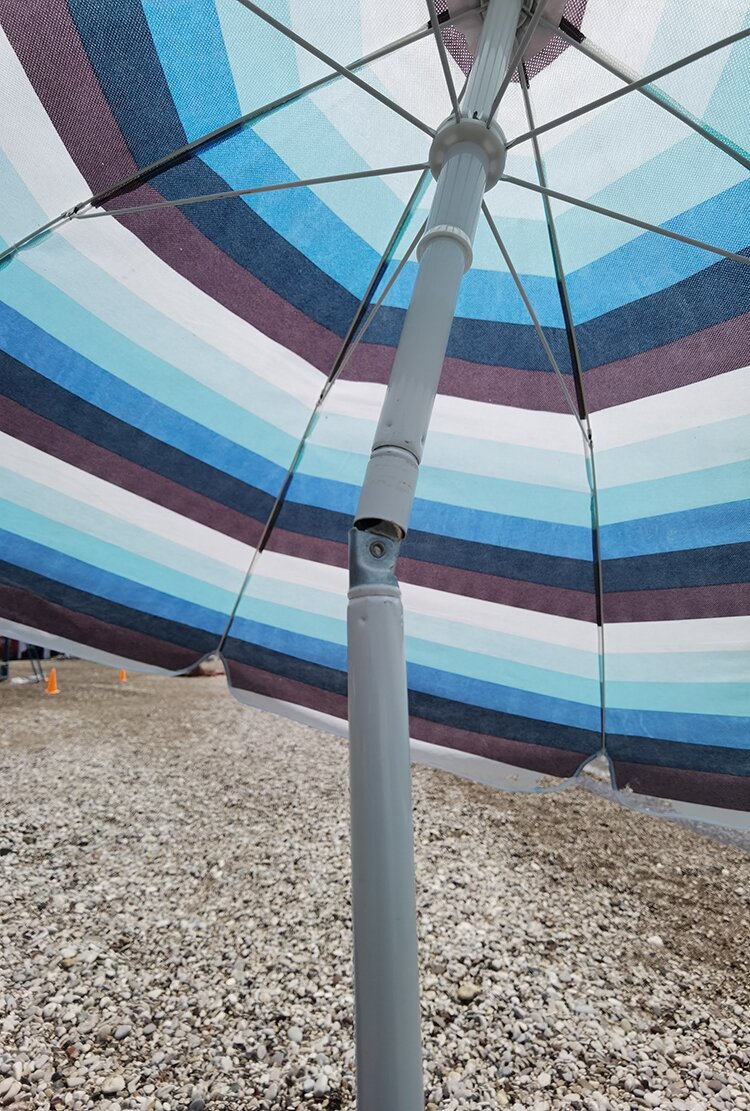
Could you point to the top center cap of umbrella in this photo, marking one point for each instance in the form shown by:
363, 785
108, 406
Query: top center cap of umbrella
473, 133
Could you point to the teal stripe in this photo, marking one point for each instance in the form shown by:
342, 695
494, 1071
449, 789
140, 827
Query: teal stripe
94, 522
62, 317
676, 494
722, 699
99, 554
472, 491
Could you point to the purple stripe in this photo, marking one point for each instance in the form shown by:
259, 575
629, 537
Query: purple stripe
705, 354
59, 442
451, 580
30, 609
677, 604
271, 685
707, 788
537, 390
50, 49
312, 548
559, 762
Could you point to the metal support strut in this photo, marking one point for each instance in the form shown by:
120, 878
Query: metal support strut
467, 157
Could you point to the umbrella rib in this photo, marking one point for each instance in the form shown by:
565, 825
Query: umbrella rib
517, 57
575, 358
606, 61
643, 224
435, 25
556, 254
535, 321
348, 346
356, 175
631, 86
349, 339
342, 70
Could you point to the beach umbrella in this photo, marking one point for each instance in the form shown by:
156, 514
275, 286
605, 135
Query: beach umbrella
244, 244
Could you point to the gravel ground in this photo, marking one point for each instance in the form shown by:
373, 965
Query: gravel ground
174, 923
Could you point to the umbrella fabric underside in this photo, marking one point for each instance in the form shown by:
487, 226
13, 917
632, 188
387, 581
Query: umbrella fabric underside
158, 372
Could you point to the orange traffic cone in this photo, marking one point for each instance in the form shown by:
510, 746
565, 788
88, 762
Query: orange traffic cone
122, 675
52, 687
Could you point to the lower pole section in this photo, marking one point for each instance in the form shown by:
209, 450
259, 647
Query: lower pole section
387, 1020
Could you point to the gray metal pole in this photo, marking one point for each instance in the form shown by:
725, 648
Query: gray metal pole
467, 157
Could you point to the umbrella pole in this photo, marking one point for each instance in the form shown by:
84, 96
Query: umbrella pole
467, 157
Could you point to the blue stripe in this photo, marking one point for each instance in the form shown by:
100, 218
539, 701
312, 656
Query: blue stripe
710, 526
82, 576
698, 729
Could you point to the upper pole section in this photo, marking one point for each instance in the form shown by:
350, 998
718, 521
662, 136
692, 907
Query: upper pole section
467, 158
494, 51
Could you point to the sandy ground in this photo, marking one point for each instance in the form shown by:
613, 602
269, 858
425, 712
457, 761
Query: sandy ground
190, 858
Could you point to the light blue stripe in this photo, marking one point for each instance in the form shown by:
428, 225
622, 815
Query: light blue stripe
718, 443
467, 455
678, 667
100, 555
732, 699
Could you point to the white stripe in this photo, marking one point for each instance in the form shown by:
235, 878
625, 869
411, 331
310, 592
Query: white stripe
470, 419
544, 627
715, 399
720, 634
58, 476
53, 179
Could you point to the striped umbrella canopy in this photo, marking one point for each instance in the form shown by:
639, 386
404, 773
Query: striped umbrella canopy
209, 216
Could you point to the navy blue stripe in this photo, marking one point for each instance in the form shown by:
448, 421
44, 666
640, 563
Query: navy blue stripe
118, 42
92, 605
718, 293
725, 564
39, 394
677, 754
